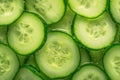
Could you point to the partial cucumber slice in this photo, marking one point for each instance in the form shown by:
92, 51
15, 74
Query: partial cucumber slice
95, 33
89, 72
115, 10
10, 10
59, 57
28, 73
27, 34
88, 8
50, 10
111, 62
9, 63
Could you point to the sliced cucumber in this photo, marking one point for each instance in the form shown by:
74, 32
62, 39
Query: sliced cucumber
95, 33
27, 34
89, 72
50, 10
28, 73
115, 10
88, 8
111, 62
65, 23
9, 63
59, 57
10, 10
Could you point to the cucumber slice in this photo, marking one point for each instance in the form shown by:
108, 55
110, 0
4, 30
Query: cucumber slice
50, 10
9, 63
65, 23
115, 10
111, 62
59, 57
95, 33
88, 8
27, 34
89, 72
10, 10
28, 73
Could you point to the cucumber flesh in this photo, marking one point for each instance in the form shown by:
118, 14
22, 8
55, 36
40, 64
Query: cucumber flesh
89, 72
111, 62
95, 33
88, 8
59, 57
9, 63
29, 32
50, 10
10, 10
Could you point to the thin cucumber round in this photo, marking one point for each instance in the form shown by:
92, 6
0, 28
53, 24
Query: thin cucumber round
60, 55
115, 10
50, 10
88, 8
28, 73
10, 10
27, 34
9, 63
95, 33
89, 72
111, 62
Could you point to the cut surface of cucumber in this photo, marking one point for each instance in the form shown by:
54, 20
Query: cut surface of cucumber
111, 62
88, 8
95, 33
59, 57
89, 72
9, 63
50, 10
27, 34
27, 73
115, 10
10, 10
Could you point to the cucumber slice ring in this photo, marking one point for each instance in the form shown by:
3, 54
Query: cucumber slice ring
111, 62
9, 63
95, 33
89, 72
59, 57
10, 10
88, 8
27, 34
